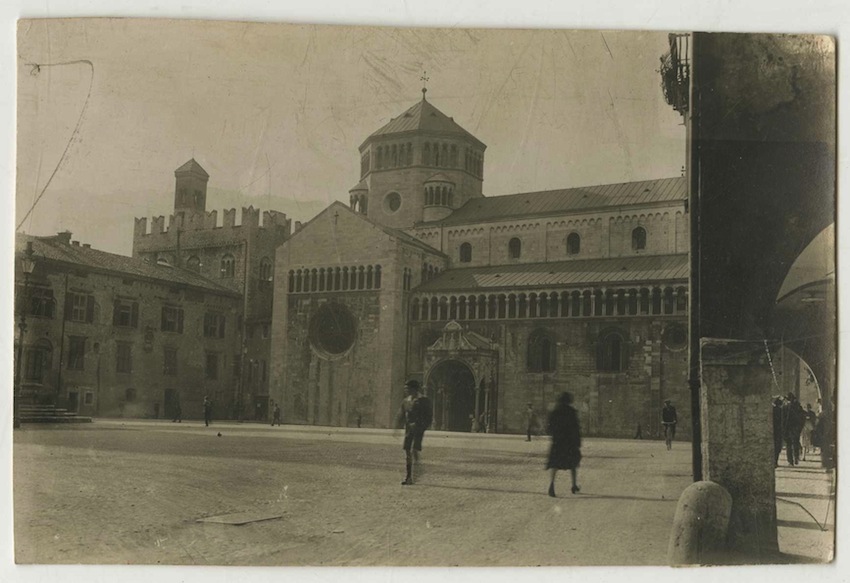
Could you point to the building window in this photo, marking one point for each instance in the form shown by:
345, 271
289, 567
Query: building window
41, 302
79, 307
213, 325
193, 264
76, 352
89, 398
392, 202
211, 368
639, 239
333, 329
237, 366
172, 319
466, 253
37, 361
514, 248
124, 357
125, 313
228, 265
573, 244
541, 352
169, 361
130, 395
265, 269
611, 353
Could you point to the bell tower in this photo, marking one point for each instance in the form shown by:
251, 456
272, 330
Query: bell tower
190, 190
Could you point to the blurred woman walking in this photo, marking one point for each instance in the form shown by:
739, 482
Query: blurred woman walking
565, 453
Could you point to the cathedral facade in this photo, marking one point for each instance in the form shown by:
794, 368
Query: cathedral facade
493, 303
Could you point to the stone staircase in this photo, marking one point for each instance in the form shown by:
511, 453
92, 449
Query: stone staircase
49, 414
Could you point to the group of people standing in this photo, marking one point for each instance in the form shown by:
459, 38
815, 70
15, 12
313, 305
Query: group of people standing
793, 427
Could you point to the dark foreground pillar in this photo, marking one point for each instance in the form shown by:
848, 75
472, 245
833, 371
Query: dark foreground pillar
737, 439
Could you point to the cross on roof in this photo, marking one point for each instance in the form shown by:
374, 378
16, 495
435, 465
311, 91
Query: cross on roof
424, 78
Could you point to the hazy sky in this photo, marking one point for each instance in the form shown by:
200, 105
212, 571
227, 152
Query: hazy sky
275, 113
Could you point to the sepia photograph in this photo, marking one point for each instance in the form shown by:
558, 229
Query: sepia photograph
316, 295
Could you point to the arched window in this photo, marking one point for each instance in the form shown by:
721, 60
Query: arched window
541, 352
514, 248
228, 265
193, 264
426, 155
465, 253
573, 244
409, 159
436, 154
265, 269
611, 353
639, 239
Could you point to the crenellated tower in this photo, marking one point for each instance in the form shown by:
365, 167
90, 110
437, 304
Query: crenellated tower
418, 167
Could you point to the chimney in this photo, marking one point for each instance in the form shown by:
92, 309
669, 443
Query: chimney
64, 237
297, 226
75, 243
87, 245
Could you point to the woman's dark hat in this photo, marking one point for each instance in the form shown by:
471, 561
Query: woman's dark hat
412, 384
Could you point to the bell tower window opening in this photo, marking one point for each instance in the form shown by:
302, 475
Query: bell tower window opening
426, 154
228, 265
265, 269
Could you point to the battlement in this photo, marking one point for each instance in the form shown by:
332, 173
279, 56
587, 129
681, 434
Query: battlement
208, 221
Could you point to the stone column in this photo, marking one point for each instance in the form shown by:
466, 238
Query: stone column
737, 439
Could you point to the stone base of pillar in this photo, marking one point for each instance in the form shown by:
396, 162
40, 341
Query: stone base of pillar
737, 439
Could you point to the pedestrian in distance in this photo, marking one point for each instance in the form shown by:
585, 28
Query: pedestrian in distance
809, 420
793, 419
415, 416
178, 414
565, 452
276, 415
530, 421
207, 411
669, 419
777, 430
473, 424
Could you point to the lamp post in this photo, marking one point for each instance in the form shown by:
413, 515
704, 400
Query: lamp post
27, 267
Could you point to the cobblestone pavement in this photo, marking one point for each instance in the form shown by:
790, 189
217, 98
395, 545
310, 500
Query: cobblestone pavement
119, 491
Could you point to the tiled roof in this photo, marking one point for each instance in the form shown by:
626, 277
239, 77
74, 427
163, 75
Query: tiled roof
192, 166
52, 249
529, 204
424, 117
615, 270
360, 186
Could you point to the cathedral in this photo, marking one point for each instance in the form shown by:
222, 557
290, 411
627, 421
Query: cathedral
493, 303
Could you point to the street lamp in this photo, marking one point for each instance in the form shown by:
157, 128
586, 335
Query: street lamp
27, 267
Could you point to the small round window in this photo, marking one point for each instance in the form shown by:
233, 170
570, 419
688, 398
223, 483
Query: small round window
675, 337
333, 329
392, 202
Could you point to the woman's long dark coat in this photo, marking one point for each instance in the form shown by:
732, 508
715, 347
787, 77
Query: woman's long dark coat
566, 439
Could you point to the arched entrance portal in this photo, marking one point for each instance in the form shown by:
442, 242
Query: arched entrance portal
453, 387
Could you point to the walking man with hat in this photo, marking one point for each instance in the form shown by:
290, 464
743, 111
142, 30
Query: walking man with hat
415, 415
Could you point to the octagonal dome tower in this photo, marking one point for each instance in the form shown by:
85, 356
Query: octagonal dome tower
400, 160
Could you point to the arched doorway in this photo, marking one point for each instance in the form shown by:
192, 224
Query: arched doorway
452, 385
